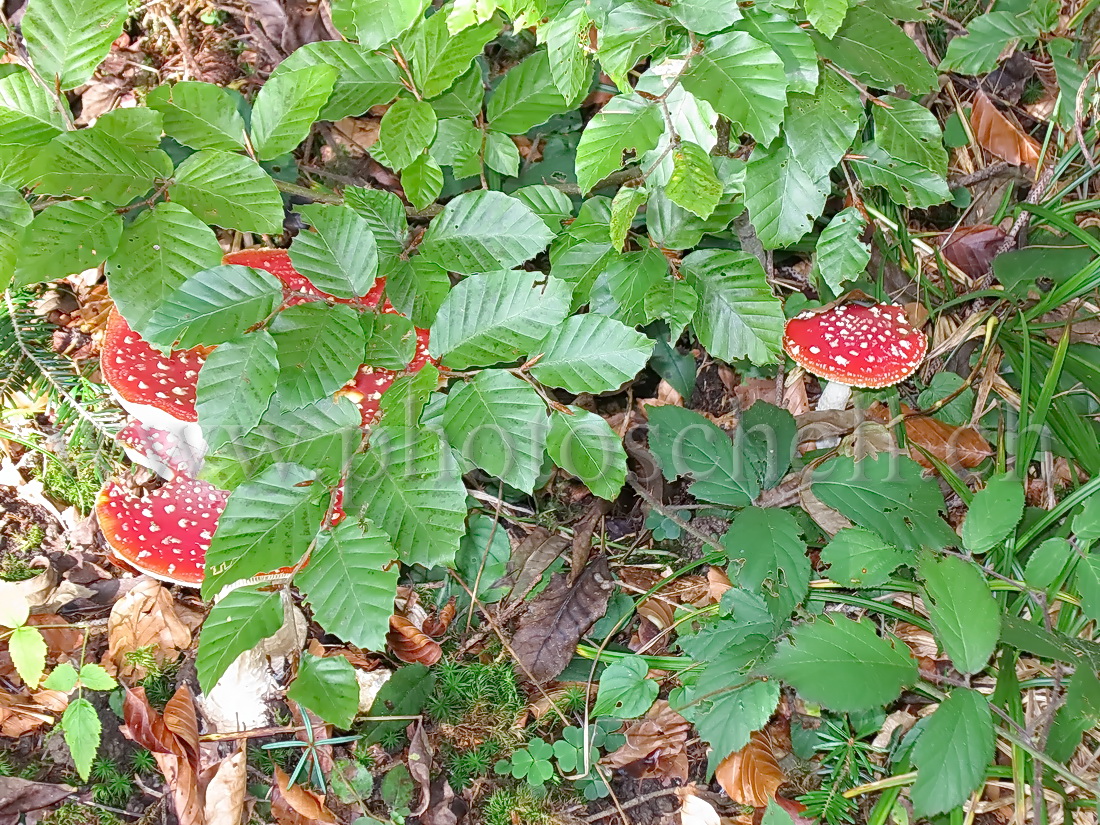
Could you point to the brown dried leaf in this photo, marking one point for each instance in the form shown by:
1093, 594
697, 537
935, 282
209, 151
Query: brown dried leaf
751, 775
972, 248
410, 644
554, 622
20, 796
182, 721
828, 519
295, 805
532, 557
955, 446
420, 764
225, 791
1084, 331
145, 617
655, 746
18, 716
436, 626
999, 136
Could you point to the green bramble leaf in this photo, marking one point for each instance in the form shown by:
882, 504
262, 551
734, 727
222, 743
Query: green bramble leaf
843, 664
994, 512
327, 686
625, 692
27, 649
214, 306
63, 678
583, 444
860, 558
339, 256
769, 558
82, 729
228, 190
952, 752
267, 524
199, 115
499, 423
14, 610
966, 618
238, 622
286, 107
625, 123
350, 583
95, 677
693, 184
67, 39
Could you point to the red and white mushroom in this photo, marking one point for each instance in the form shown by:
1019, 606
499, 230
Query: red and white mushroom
158, 390
854, 344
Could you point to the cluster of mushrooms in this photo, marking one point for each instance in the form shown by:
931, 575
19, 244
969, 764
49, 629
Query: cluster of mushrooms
165, 532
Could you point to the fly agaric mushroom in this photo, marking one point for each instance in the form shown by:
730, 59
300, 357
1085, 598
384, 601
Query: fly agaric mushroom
158, 390
366, 388
854, 345
159, 450
166, 532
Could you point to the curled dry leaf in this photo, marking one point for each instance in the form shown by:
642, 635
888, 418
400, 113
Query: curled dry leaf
531, 557
420, 764
144, 618
225, 791
972, 248
20, 796
656, 746
435, 626
18, 715
548, 633
694, 810
410, 644
752, 775
295, 805
955, 446
999, 136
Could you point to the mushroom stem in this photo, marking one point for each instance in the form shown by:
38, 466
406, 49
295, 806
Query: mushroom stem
834, 396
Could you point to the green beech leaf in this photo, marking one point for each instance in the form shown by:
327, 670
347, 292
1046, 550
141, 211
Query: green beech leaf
693, 184
687, 444
385, 215
907, 184
158, 252
321, 436
843, 664
66, 238
90, 163
375, 22
238, 622
14, 162
327, 686
887, 494
624, 207
228, 190
28, 115
417, 289
966, 618
438, 58
841, 254
498, 422
548, 202
790, 42
583, 444
320, 349
422, 181
526, 97
783, 198
704, 16
235, 384
625, 123
348, 585
742, 79
570, 65
994, 513
482, 231
631, 31
213, 306
364, 79
27, 649
267, 524
15, 214
988, 35
82, 729
68, 39
769, 557
860, 558
909, 132
482, 558
876, 51
952, 752
673, 301
391, 341
625, 692
138, 128
820, 126
199, 115
496, 317
408, 484
590, 353
739, 317
339, 256
406, 131
826, 15
287, 106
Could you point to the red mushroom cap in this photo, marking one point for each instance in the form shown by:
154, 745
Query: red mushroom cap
278, 263
166, 532
144, 377
165, 453
860, 346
